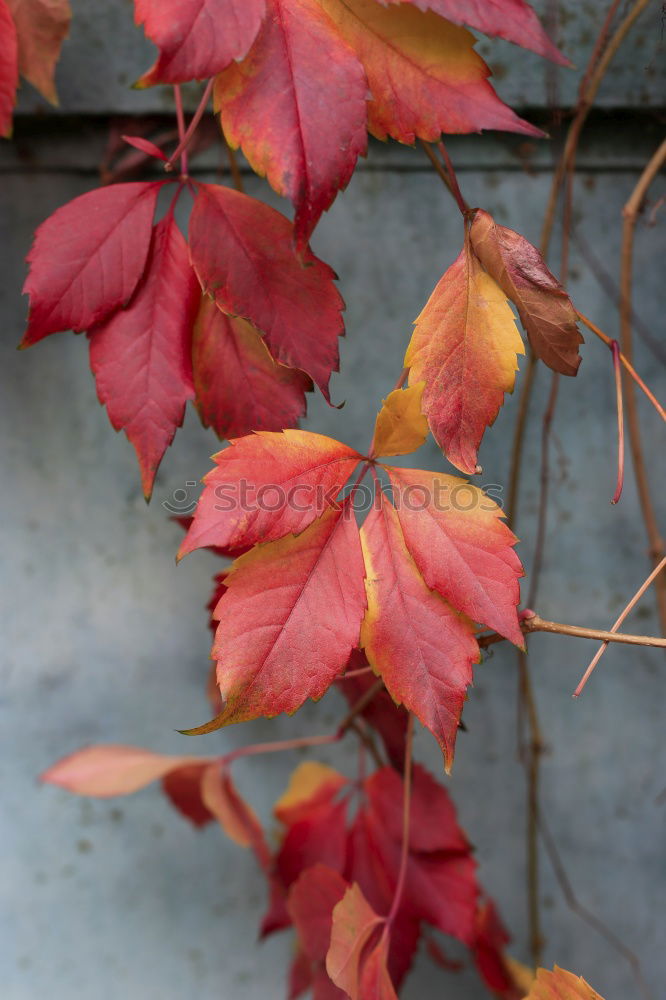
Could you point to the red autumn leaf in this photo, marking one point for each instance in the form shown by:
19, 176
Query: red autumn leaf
440, 886
196, 38
239, 387
316, 822
354, 923
433, 824
289, 620
312, 898
88, 258
8, 68
242, 251
543, 305
413, 638
424, 75
315, 833
386, 718
272, 104
109, 770
41, 25
142, 356
319, 837
513, 20
267, 485
464, 347
461, 545
183, 788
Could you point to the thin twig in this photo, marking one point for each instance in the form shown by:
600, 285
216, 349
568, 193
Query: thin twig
630, 215
542, 521
430, 153
187, 138
535, 623
584, 104
532, 760
615, 348
180, 118
455, 187
613, 632
625, 362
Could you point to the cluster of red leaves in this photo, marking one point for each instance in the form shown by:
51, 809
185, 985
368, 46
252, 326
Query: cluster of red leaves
296, 84
31, 34
307, 589
101, 265
334, 874
282, 67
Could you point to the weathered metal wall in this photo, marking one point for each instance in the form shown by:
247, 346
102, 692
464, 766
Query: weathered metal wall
105, 640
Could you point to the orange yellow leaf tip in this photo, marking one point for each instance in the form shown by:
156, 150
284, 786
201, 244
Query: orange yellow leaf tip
401, 426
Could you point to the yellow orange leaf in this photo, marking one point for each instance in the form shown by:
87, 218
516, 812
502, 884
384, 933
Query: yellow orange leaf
401, 427
311, 780
464, 347
425, 77
561, 985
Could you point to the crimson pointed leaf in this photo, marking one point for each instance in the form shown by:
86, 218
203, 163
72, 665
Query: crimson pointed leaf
196, 38
272, 105
242, 251
413, 638
142, 356
88, 258
289, 619
8, 68
461, 545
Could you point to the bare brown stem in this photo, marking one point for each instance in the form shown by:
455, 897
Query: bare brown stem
196, 118
455, 187
532, 759
583, 109
180, 118
430, 153
535, 623
630, 216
